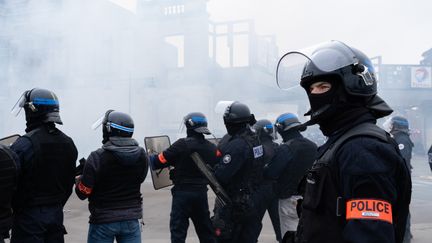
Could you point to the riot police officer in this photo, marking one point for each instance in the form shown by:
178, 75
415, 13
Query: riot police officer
111, 181
47, 157
359, 188
293, 158
430, 157
9, 166
240, 172
399, 129
265, 131
189, 193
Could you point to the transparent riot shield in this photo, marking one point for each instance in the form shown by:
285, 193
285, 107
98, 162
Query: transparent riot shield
9, 140
155, 145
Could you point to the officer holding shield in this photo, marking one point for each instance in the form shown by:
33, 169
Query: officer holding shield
359, 187
189, 193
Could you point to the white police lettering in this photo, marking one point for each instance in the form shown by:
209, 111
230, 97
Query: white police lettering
226, 159
258, 151
401, 146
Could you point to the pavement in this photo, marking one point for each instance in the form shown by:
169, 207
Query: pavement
157, 204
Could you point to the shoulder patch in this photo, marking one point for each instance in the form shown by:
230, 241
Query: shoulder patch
226, 159
258, 151
367, 209
401, 146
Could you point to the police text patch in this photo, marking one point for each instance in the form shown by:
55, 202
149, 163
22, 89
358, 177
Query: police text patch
258, 151
369, 209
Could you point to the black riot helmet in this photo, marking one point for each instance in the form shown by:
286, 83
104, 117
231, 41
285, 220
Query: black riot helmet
197, 122
115, 124
238, 113
40, 105
348, 70
264, 128
288, 121
399, 123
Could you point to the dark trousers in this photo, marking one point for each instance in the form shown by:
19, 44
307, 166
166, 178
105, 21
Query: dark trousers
190, 203
41, 224
273, 211
249, 229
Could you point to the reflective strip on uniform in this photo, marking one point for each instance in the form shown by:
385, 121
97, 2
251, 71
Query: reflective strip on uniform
369, 209
85, 190
161, 158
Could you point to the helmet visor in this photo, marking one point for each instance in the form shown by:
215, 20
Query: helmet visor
19, 105
327, 57
98, 122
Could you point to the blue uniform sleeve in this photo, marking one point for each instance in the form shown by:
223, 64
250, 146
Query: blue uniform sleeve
233, 157
367, 175
85, 183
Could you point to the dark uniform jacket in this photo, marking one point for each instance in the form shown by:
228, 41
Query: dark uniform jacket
9, 166
292, 160
405, 145
112, 180
185, 172
361, 195
47, 157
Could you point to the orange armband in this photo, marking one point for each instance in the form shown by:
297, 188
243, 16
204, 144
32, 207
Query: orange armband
369, 209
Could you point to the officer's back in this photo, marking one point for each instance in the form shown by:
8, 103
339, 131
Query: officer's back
189, 194
47, 158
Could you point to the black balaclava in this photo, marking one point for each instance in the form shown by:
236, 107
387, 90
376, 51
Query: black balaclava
334, 109
234, 128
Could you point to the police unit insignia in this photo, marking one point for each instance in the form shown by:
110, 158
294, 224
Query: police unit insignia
258, 151
401, 146
226, 159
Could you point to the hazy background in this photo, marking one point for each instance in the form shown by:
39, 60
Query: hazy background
160, 59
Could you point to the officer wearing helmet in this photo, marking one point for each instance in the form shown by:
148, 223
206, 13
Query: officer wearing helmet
47, 157
359, 187
240, 172
189, 193
111, 181
265, 131
293, 158
399, 129
9, 167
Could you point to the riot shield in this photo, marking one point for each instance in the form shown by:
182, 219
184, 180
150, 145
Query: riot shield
155, 145
9, 140
214, 184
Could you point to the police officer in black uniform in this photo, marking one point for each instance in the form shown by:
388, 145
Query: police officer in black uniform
240, 172
430, 157
9, 166
47, 157
293, 158
265, 131
189, 193
359, 188
399, 129
111, 181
